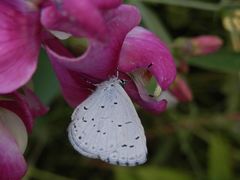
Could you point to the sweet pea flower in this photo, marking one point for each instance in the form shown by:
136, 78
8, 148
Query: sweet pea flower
128, 49
22, 31
17, 114
19, 44
79, 18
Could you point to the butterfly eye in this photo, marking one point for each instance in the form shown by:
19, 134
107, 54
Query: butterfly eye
123, 82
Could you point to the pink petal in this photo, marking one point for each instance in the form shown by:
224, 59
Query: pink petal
12, 163
27, 107
74, 90
107, 4
19, 47
206, 44
16, 4
101, 58
15, 127
35, 105
80, 18
139, 96
142, 49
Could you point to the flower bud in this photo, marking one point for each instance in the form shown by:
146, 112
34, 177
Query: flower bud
206, 44
196, 46
181, 90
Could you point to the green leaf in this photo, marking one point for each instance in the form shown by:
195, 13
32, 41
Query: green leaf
34, 173
219, 165
123, 173
45, 83
155, 173
151, 172
223, 61
187, 3
152, 21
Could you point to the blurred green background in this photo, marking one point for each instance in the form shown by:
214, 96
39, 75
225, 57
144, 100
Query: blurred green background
199, 140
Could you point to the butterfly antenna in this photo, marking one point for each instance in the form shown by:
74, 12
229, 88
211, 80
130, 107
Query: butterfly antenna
117, 73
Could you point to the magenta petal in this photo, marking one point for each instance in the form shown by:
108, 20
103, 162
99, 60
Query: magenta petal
19, 105
74, 90
12, 163
101, 58
19, 47
107, 4
143, 99
16, 4
35, 105
142, 49
79, 18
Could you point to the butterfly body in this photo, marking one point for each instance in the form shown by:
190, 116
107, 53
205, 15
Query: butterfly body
106, 126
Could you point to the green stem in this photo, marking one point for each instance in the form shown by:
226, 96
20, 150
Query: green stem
41, 174
153, 22
188, 151
188, 4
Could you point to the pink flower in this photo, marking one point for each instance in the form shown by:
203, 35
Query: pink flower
79, 18
17, 113
22, 31
19, 44
126, 49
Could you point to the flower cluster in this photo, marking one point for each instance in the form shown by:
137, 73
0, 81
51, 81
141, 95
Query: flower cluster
116, 45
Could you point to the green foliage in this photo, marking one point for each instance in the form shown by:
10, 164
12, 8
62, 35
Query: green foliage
188, 4
45, 82
220, 160
151, 172
223, 61
155, 23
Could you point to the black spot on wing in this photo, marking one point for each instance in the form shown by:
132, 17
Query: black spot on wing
84, 120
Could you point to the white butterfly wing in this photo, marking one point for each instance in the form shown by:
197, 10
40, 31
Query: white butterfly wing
107, 126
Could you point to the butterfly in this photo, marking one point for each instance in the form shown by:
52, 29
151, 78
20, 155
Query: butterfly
106, 126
